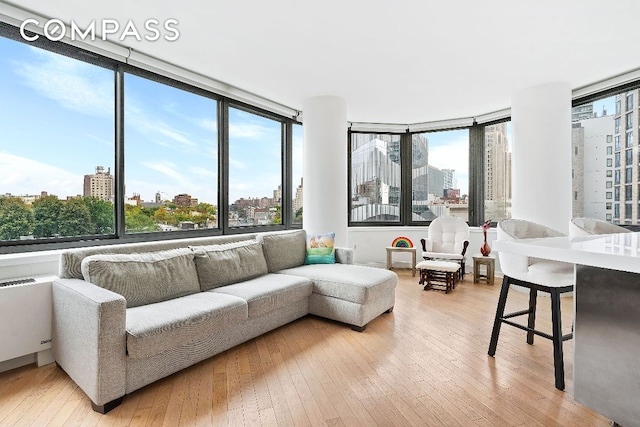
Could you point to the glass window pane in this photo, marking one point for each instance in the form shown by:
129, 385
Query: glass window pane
56, 146
444, 189
296, 204
255, 169
171, 154
497, 181
375, 177
592, 171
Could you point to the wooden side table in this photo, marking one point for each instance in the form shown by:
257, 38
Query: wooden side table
392, 249
490, 264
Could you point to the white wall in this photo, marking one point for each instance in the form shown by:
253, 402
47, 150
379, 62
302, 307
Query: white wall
325, 166
541, 155
24, 265
369, 244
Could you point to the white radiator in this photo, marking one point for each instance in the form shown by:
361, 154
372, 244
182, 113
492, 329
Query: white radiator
25, 318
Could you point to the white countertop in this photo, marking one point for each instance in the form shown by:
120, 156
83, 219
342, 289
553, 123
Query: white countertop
613, 251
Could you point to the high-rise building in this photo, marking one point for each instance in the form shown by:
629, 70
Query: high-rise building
581, 112
625, 164
497, 184
297, 200
185, 201
449, 176
436, 181
592, 168
100, 184
277, 194
375, 177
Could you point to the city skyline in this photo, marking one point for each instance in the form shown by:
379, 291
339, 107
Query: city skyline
171, 135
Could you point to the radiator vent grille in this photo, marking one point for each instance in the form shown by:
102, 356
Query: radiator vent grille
16, 282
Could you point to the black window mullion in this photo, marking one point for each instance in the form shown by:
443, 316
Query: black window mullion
406, 179
286, 192
223, 166
119, 195
476, 174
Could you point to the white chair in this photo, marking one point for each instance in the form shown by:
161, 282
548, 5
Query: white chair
588, 226
447, 239
536, 275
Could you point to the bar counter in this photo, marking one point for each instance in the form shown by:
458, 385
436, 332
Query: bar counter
606, 366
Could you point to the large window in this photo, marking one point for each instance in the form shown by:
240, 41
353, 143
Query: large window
595, 133
171, 156
442, 187
95, 149
375, 177
408, 178
56, 145
255, 169
497, 166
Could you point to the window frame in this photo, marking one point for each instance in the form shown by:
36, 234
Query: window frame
223, 103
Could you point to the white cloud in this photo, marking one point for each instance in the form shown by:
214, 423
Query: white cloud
100, 140
239, 164
178, 182
40, 177
139, 119
75, 85
246, 131
166, 168
203, 172
208, 124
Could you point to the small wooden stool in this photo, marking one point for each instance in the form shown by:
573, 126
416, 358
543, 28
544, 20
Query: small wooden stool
439, 271
489, 262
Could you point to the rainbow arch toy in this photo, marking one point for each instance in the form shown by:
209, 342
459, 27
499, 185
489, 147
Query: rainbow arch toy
402, 242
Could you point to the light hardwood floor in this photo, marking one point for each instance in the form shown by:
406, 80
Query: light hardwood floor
425, 364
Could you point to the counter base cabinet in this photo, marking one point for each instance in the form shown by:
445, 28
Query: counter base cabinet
607, 343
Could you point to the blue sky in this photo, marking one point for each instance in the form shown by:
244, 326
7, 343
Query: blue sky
57, 125
450, 150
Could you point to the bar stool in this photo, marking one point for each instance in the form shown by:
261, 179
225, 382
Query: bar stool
535, 275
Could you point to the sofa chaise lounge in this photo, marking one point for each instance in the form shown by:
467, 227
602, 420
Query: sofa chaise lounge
128, 315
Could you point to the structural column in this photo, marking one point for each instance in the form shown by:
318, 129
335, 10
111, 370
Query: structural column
325, 167
541, 155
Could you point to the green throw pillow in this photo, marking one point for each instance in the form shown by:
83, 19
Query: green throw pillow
320, 249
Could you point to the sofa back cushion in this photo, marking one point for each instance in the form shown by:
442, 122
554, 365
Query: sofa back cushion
144, 278
71, 259
284, 249
220, 265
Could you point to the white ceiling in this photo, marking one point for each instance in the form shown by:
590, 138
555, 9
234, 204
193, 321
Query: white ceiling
404, 61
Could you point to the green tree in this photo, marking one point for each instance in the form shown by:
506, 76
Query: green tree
101, 212
137, 221
16, 218
46, 215
206, 208
297, 218
75, 219
277, 218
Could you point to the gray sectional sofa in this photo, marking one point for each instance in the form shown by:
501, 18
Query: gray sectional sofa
128, 315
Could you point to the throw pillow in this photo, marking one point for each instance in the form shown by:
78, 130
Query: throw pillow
320, 249
225, 264
144, 278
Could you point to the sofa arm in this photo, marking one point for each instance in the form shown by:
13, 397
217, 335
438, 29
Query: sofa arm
344, 255
89, 338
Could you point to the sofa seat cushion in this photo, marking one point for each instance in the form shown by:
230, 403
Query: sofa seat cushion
155, 328
355, 283
269, 292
